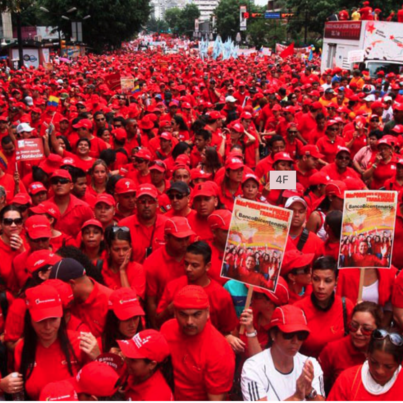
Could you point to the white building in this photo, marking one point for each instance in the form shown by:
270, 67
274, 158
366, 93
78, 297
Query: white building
206, 8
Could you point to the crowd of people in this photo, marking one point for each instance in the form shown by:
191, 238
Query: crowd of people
112, 244
366, 13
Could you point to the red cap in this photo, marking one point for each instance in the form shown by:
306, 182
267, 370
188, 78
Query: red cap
237, 127
125, 304
295, 259
147, 190
311, 151
398, 106
191, 297
61, 391
61, 173
214, 115
250, 176
21, 199
332, 122
148, 344
178, 227
97, 379
94, 223
40, 258
146, 123
336, 188
105, 198
68, 161
38, 226
280, 296
120, 134
397, 129
158, 165
125, 186
282, 157
220, 219
289, 319
144, 153
83, 123
234, 163
36, 187
166, 136
43, 302
207, 189
316, 105
64, 290
246, 115
343, 149
198, 173
318, 178
276, 107
46, 207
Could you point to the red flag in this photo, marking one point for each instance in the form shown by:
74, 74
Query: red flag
289, 51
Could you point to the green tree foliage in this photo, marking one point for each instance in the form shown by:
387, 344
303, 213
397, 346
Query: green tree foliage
111, 22
172, 18
182, 22
158, 26
266, 32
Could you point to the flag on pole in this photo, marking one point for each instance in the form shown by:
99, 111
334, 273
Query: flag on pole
257, 108
288, 51
53, 101
136, 89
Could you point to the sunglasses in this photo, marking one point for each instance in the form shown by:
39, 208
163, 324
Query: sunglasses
301, 336
139, 160
374, 120
381, 334
116, 228
365, 330
61, 181
344, 158
146, 201
177, 196
9, 221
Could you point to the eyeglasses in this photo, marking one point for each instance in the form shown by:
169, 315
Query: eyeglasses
61, 181
365, 330
10, 221
382, 334
344, 158
139, 160
146, 201
301, 336
177, 196
374, 120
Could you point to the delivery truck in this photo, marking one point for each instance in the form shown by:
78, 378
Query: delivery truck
372, 45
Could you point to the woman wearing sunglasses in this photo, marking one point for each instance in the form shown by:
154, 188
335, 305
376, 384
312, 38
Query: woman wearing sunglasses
327, 313
350, 350
380, 377
119, 269
281, 372
12, 243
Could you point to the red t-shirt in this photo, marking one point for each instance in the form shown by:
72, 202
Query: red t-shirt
8, 183
325, 326
330, 148
382, 173
203, 364
313, 244
201, 227
334, 173
222, 312
397, 296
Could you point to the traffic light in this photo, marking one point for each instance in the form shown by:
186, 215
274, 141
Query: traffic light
62, 44
287, 15
245, 15
257, 15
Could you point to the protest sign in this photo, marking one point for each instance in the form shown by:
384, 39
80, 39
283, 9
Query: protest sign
127, 85
113, 81
29, 150
368, 228
256, 243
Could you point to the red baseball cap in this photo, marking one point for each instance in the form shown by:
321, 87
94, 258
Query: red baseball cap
105, 198
83, 123
250, 176
94, 223
43, 302
125, 304
40, 258
158, 165
148, 344
214, 115
336, 188
178, 227
125, 186
191, 297
318, 178
64, 290
282, 157
147, 190
61, 391
207, 189
198, 173
97, 379
38, 226
289, 319
220, 219
237, 127
68, 162
398, 106
21, 199
120, 134
166, 136
397, 129
316, 105
144, 153
280, 296
343, 149
311, 151
295, 259
61, 173
36, 187
234, 163
46, 207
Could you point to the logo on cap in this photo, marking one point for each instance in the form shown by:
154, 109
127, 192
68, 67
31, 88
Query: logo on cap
38, 301
139, 341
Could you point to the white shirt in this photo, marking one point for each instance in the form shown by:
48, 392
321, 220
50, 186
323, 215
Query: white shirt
261, 379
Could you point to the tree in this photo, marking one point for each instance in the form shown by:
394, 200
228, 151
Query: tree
264, 32
157, 26
172, 18
187, 19
110, 22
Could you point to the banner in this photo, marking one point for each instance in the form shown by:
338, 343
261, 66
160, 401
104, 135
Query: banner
113, 81
280, 48
256, 243
127, 85
368, 228
29, 150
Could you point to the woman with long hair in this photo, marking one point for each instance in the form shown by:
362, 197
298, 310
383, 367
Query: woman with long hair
180, 129
99, 177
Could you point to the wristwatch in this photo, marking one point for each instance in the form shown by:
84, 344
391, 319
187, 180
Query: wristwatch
312, 395
251, 334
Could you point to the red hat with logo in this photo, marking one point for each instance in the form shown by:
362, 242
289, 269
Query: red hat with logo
147, 344
214, 115
311, 151
289, 319
233, 163
294, 259
147, 190
178, 227
144, 153
46, 207
397, 129
158, 165
198, 173
83, 124
61, 173
125, 304
281, 296
237, 127
336, 188
220, 219
40, 258
343, 149
250, 176
207, 189
125, 186
191, 297
64, 290
385, 140
36, 187
166, 136
21, 199
61, 391
43, 302
68, 162
105, 198
38, 226
282, 157
398, 106
94, 223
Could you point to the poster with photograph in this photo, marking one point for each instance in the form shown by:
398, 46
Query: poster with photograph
256, 243
367, 230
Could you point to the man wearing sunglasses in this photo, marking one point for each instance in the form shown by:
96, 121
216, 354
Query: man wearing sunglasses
339, 170
74, 212
179, 195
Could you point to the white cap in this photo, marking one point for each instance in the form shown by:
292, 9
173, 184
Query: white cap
60, 81
369, 98
387, 99
24, 127
29, 101
295, 199
230, 98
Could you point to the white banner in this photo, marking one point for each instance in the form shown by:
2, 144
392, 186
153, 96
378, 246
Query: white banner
30, 57
355, 56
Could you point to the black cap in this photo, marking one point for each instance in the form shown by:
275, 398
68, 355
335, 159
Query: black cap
67, 269
180, 187
329, 90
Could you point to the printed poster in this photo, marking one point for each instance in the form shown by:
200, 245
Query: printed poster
256, 243
368, 228
127, 85
29, 150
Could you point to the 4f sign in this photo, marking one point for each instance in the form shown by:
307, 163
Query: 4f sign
242, 20
283, 180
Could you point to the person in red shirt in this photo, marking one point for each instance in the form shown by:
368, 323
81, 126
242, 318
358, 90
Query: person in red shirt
105, 210
379, 378
339, 169
91, 299
308, 121
11, 184
364, 259
179, 196
396, 182
38, 193
203, 361
197, 265
73, 212
144, 355
351, 350
139, 171
146, 226
327, 314
211, 94
400, 15
125, 195
329, 145
275, 145
333, 225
